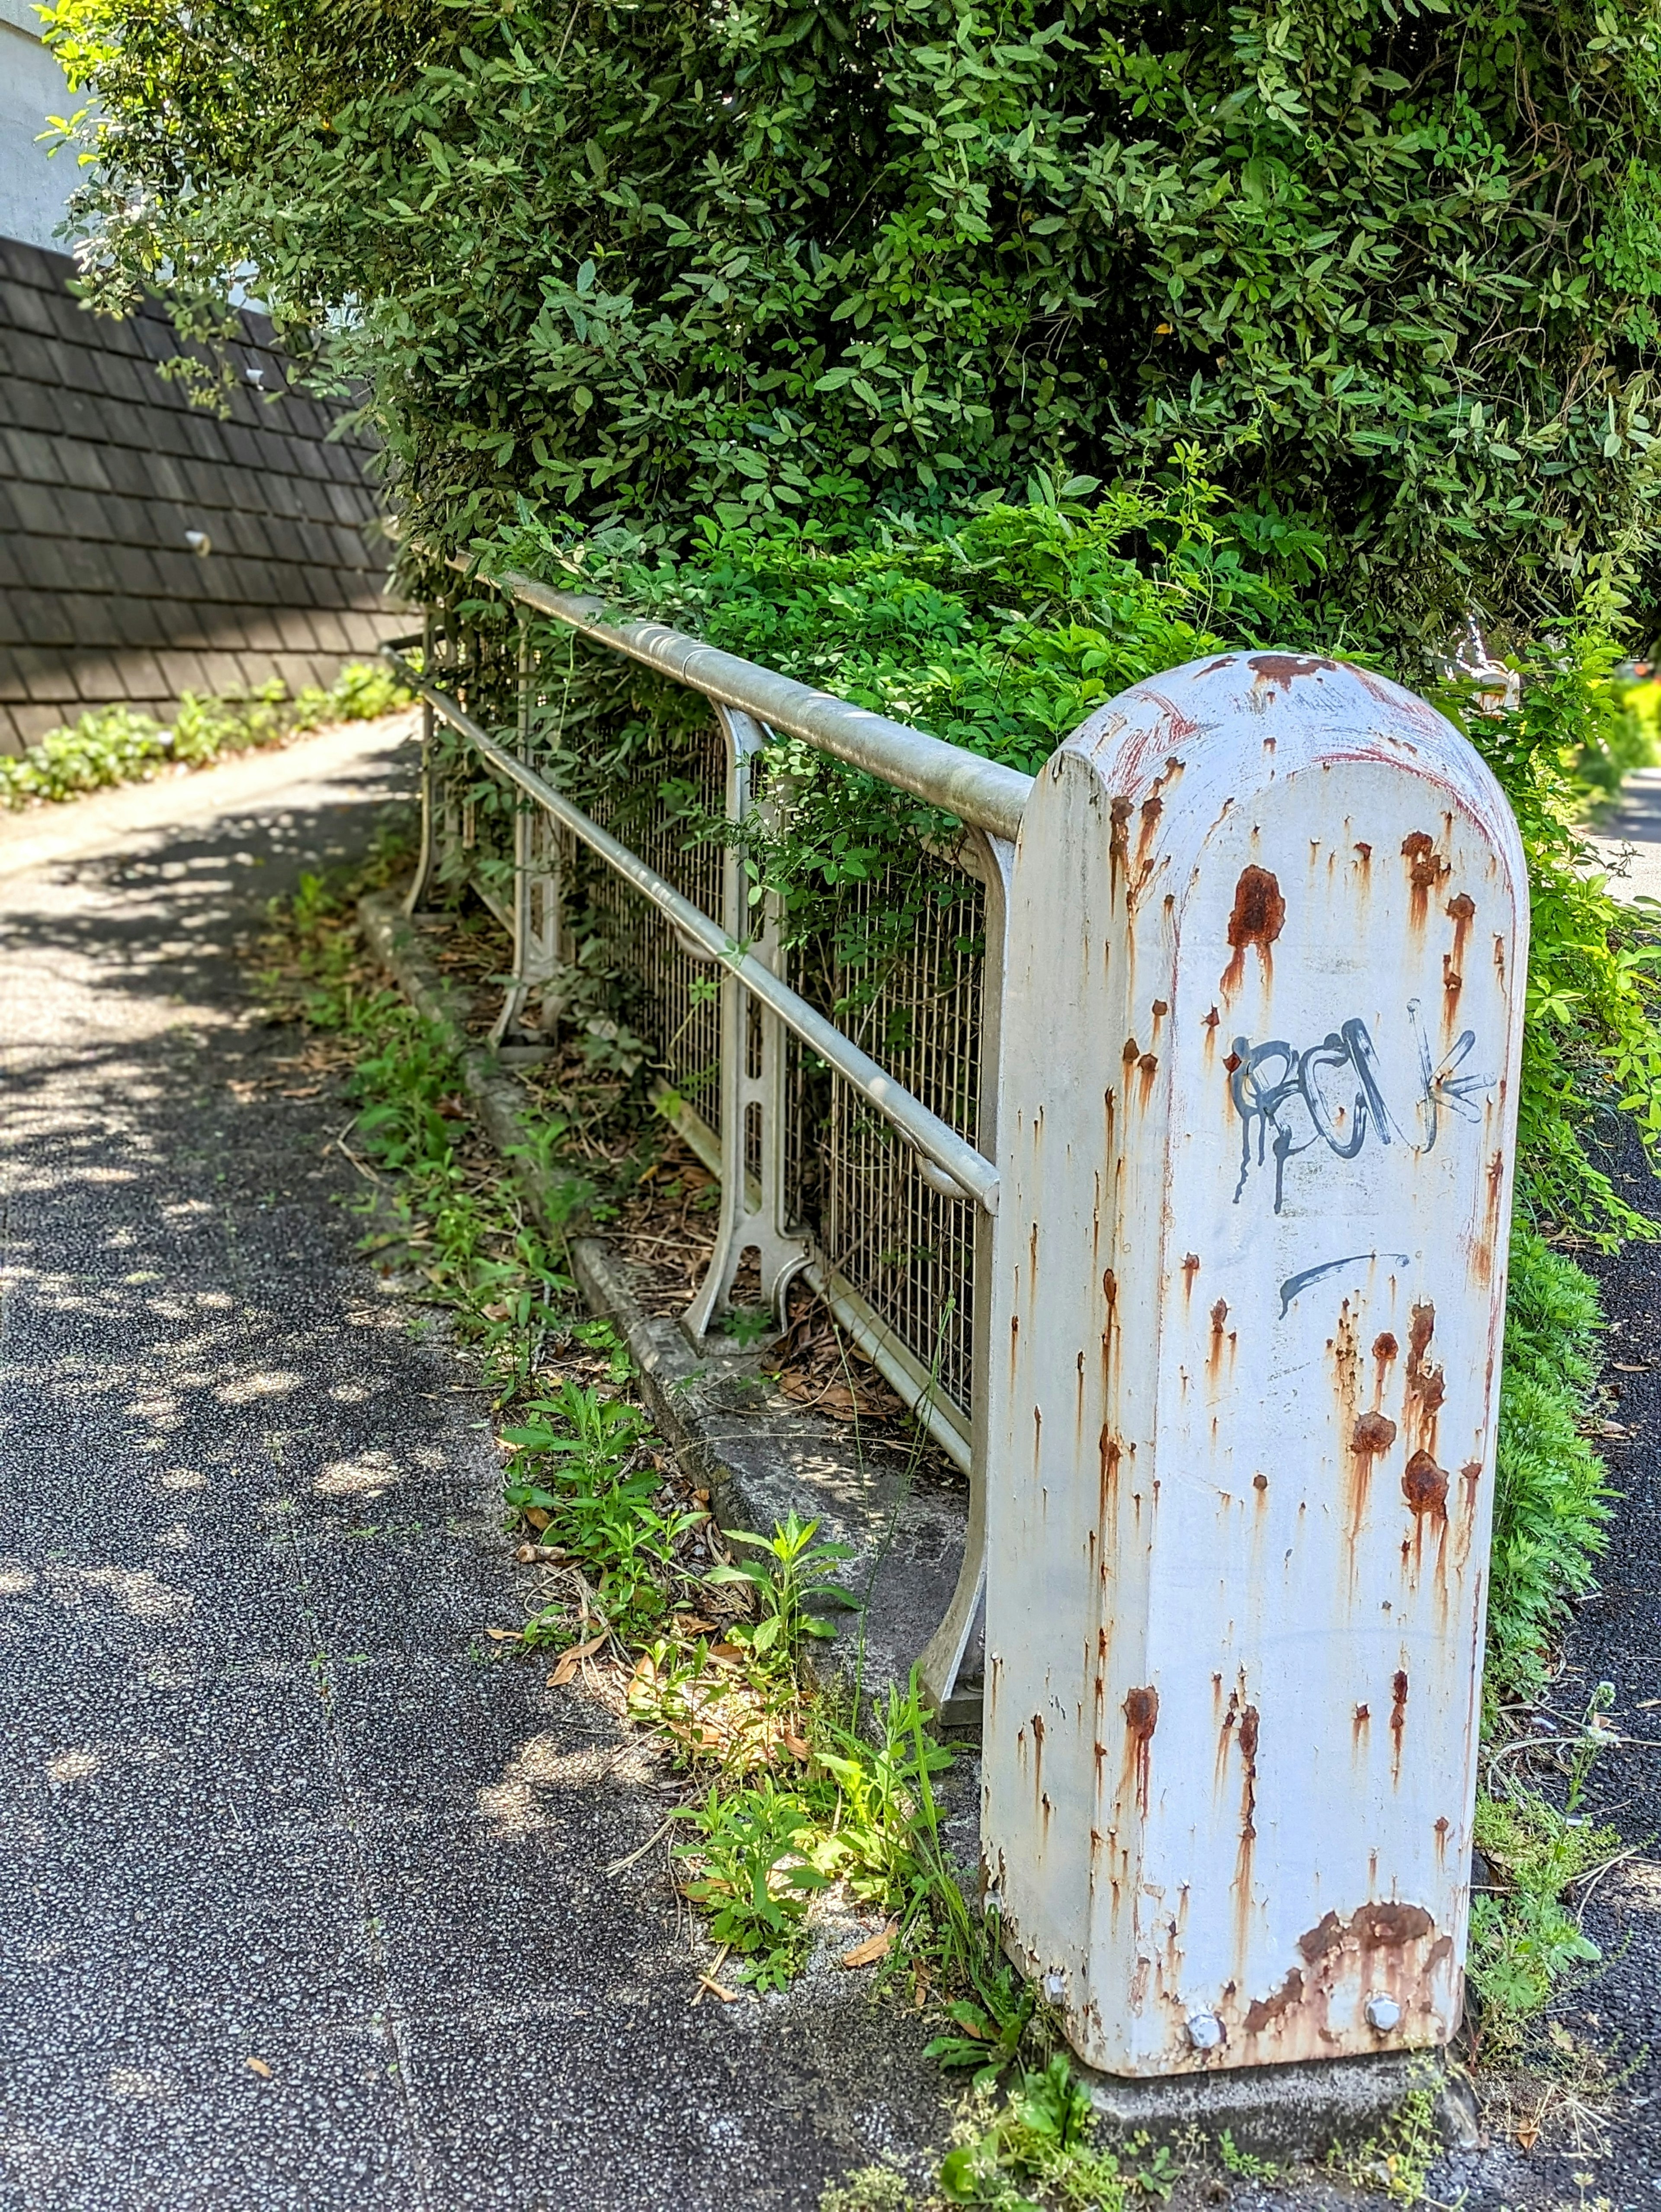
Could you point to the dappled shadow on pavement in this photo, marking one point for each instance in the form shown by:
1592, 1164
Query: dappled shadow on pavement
262, 1798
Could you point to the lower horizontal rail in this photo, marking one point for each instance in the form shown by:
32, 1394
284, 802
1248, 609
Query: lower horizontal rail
938, 1415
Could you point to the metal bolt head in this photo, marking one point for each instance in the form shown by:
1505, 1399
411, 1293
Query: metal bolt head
1204, 2031
1055, 1986
1383, 2013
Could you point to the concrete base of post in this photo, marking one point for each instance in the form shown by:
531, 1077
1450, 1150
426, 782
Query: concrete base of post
1287, 2113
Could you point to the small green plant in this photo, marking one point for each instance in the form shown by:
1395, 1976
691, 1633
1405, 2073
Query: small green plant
1396, 2162
574, 1478
1043, 2138
754, 1876
748, 1325
1523, 1939
796, 1571
1245, 2165
871, 2189
118, 745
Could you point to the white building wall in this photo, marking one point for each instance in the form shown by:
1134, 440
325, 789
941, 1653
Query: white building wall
34, 189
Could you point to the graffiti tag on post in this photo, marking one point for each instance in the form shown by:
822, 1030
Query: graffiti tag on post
1335, 1095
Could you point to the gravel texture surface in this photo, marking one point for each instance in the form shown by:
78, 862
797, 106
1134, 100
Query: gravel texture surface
302, 1901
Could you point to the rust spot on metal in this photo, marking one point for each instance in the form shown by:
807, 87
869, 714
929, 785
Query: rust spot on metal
1372, 1433
1212, 1019
1327, 1935
1218, 1319
1398, 1715
1146, 1068
1160, 1009
1264, 2011
1118, 837
1258, 917
1280, 671
1260, 1482
1365, 852
1191, 1268
1384, 1348
1132, 1052
1231, 1061
1152, 810
1141, 1716
1424, 1485
1390, 1924
1109, 1453
1425, 870
1361, 1721
1426, 1388
1462, 906
1249, 1727
1212, 666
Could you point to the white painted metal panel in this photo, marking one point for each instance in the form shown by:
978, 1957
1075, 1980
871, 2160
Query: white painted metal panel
1267, 942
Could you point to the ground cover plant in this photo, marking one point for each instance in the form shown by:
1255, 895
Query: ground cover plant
120, 744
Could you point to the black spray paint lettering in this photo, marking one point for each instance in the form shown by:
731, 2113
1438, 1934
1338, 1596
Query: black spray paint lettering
1333, 1094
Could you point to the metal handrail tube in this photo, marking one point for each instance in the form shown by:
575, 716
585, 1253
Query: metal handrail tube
981, 793
926, 1132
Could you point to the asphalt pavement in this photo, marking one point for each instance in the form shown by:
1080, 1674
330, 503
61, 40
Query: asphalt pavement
306, 1899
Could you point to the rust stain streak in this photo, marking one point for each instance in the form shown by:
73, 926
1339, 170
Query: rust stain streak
1258, 918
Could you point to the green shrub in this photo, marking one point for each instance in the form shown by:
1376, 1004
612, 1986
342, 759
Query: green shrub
115, 744
1395, 268
1551, 1498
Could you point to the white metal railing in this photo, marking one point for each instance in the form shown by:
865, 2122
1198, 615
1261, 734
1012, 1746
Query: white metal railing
749, 702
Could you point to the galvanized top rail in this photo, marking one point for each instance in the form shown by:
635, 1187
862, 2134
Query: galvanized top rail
969, 1171
981, 793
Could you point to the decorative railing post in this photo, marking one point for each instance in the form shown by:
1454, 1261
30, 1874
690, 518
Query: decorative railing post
753, 1197
1256, 1112
538, 906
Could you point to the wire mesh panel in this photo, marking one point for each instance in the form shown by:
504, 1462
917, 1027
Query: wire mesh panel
916, 994
673, 1000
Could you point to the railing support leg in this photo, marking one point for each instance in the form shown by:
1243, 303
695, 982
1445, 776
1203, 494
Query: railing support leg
537, 909
752, 1080
432, 797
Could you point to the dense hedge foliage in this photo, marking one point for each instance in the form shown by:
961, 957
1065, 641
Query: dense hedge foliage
1393, 268
638, 288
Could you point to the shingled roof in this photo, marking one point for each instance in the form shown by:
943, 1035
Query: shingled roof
105, 471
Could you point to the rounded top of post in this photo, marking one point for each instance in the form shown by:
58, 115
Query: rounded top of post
1235, 723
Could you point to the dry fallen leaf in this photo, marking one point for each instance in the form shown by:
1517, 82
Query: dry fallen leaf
1634, 1366
1528, 2134
571, 1662
502, 1635
875, 1947
730, 1652
688, 1623
258, 2066
795, 1745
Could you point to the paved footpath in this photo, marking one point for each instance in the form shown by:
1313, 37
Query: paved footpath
302, 1902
